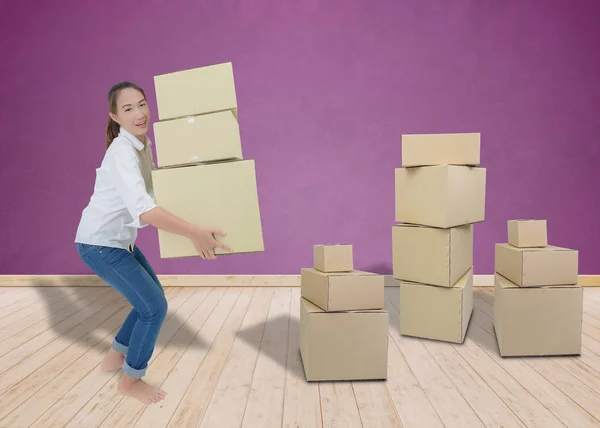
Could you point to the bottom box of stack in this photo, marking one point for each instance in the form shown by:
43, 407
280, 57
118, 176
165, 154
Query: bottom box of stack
438, 313
537, 321
341, 346
221, 195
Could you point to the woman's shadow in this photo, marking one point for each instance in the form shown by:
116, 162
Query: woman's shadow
76, 313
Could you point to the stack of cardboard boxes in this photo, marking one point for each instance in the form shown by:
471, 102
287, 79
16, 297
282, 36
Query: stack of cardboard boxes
343, 323
538, 303
202, 176
440, 194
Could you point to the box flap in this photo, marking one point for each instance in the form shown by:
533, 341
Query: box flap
506, 284
311, 308
459, 285
503, 282
354, 272
539, 249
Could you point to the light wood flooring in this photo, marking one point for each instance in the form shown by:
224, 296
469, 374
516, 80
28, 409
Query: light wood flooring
228, 357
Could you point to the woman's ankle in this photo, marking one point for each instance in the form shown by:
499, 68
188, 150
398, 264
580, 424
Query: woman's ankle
127, 380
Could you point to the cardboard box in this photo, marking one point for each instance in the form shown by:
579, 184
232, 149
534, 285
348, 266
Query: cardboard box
341, 346
333, 257
222, 195
197, 91
440, 196
536, 267
537, 321
431, 255
527, 233
206, 138
441, 149
347, 291
437, 313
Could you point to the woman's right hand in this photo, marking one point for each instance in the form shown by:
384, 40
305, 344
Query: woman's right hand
205, 242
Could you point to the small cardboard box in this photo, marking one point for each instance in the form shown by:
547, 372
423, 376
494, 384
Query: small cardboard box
441, 149
342, 346
197, 91
343, 291
333, 257
440, 196
536, 267
437, 313
527, 233
431, 255
221, 195
206, 138
537, 321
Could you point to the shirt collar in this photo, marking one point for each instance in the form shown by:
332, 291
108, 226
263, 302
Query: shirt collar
133, 139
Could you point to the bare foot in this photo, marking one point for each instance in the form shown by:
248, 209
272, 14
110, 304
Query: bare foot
140, 390
112, 361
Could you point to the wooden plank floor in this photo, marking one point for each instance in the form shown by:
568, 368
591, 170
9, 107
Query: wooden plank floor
228, 357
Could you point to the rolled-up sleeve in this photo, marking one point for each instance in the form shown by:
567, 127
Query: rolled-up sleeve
129, 183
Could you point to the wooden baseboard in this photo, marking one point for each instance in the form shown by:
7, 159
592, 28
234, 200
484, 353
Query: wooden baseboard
216, 281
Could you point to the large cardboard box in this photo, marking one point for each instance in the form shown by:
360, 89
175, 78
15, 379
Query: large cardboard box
333, 257
196, 91
206, 138
342, 346
431, 255
346, 291
440, 196
222, 195
527, 233
437, 313
537, 321
441, 149
536, 267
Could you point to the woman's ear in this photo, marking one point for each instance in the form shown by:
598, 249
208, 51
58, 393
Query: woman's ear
113, 117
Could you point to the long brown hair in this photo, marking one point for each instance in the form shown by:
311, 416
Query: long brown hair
112, 128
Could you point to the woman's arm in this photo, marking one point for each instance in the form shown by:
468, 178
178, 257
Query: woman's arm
162, 219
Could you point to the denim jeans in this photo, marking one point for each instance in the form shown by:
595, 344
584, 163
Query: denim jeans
130, 274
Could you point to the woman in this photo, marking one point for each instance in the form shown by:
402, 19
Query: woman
121, 204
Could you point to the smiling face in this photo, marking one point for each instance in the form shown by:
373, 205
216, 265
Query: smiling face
132, 113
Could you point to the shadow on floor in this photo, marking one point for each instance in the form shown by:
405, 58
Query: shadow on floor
64, 303
272, 340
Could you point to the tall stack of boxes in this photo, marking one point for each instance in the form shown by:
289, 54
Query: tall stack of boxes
440, 194
343, 323
538, 303
202, 176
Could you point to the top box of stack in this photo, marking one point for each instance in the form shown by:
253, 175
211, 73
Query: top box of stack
197, 91
527, 233
333, 257
441, 149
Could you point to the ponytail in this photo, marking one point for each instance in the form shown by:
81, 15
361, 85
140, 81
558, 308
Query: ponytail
113, 128
112, 131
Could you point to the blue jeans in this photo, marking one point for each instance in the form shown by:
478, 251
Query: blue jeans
130, 274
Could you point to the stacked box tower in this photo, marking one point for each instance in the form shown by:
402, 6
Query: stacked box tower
440, 194
538, 302
343, 323
202, 176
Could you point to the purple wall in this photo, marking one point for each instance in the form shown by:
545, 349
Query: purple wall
319, 86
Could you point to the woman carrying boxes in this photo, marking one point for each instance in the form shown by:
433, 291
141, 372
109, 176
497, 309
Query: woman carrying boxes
123, 202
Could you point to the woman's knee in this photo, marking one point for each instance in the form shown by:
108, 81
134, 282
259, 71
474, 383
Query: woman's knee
156, 308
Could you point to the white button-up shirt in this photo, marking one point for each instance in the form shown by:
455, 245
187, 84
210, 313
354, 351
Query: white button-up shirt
122, 193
